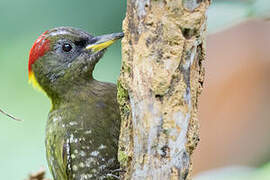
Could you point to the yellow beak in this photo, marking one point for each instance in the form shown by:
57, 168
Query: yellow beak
101, 42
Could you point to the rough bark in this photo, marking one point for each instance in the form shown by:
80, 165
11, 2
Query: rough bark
161, 78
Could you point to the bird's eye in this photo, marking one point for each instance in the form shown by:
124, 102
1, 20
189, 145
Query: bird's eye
66, 47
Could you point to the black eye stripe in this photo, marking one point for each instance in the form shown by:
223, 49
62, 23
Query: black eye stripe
81, 43
66, 47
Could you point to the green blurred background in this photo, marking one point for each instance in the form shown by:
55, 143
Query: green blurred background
22, 143
21, 22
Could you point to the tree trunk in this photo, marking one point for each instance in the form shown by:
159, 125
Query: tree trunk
161, 78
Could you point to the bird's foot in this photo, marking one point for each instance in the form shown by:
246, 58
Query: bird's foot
113, 176
112, 173
117, 170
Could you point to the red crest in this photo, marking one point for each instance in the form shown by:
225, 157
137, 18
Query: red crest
40, 47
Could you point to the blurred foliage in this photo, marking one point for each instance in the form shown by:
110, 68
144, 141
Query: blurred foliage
237, 173
260, 8
22, 143
225, 13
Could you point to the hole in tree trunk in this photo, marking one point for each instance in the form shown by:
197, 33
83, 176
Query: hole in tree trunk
158, 96
188, 33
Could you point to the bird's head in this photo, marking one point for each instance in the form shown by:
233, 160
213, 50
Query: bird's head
65, 56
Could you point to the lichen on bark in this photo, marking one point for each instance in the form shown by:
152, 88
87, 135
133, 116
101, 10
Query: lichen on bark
162, 76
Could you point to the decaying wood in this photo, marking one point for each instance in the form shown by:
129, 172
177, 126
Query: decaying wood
161, 78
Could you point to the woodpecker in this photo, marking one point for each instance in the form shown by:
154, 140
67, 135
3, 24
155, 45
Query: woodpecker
84, 122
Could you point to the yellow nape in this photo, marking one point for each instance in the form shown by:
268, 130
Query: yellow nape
32, 80
99, 47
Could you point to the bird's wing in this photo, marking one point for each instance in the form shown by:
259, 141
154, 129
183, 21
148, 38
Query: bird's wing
66, 158
59, 157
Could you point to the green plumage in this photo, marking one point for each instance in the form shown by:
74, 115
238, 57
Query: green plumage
82, 133
83, 125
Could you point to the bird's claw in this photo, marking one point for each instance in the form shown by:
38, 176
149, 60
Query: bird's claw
112, 175
117, 170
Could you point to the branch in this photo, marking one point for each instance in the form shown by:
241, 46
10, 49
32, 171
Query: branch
9, 115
